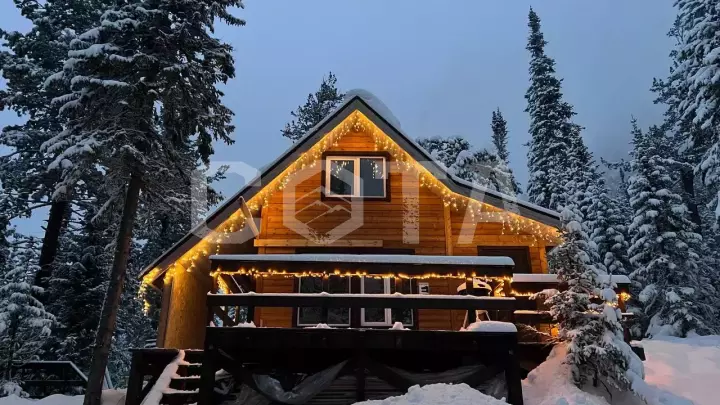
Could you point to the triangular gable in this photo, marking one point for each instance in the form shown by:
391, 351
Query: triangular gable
365, 107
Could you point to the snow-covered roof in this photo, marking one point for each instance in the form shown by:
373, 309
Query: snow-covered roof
384, 259
552, 278
376, 111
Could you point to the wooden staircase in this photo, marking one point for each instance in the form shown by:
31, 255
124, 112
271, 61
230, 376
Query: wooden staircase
184, 387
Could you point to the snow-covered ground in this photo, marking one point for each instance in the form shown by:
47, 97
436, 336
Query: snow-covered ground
677, 372
439, 394
689, 368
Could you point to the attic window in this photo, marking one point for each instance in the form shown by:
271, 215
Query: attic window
355, 176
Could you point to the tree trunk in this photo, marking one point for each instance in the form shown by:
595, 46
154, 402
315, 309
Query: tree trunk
688, 184
51, 242
108, 316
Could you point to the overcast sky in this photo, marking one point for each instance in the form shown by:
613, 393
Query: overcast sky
441, 67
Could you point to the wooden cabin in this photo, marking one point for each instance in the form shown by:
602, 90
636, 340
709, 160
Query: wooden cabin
358, 228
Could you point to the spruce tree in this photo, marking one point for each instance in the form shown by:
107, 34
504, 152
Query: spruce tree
28, 60
76, 291
505, 179
136, 59
551, 126
480, 167
317, 107
24, 322
663, 246
608, 229
596, 350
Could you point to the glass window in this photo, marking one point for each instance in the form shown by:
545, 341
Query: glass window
311, 316
342, 177
375, 316
405, 315
372, 177
356, 176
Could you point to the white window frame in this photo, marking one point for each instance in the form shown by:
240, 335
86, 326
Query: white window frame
356, 176
342, 325
388, 311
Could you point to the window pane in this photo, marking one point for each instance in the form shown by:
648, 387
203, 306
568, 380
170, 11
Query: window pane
372, 175
342, 173
311, 315
374, 286
339, 285
403, 315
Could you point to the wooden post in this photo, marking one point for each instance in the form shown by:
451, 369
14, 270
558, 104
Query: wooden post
207, 375
324, 314
512, 378
135, 380
448, 231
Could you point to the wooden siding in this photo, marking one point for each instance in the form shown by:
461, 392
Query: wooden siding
274, 317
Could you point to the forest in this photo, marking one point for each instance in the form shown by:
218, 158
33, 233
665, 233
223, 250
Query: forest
122, 111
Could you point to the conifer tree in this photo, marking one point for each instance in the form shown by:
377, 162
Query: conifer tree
480, 167
136, 59
76, 290
663, 246
551, 126
505, 180
317, 107
26, 63
609, 231
694, 82
585, 325
24, 322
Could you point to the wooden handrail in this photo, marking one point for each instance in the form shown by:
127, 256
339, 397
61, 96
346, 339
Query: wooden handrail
352, 301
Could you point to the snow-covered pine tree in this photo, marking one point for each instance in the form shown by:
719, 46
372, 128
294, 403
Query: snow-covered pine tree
593, 333
136, 60
24, 322
551, 126
445, 150
27, 61
317, 107
481, 167
663, 246
505, 182
694, 82
608, 230
76, 290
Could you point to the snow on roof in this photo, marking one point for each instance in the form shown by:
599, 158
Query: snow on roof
375, 103
385, 259
552, 278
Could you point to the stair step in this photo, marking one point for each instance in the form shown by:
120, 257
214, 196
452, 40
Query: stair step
185, 383
193, 369
193, 356
179, 398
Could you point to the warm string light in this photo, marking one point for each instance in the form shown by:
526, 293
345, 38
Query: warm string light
357, 122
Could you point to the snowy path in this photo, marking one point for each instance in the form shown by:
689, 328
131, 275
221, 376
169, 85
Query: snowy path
688, 368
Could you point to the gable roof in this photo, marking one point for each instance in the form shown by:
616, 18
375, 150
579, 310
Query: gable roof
380, 115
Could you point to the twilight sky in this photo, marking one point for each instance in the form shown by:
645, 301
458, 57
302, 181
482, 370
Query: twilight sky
441, 67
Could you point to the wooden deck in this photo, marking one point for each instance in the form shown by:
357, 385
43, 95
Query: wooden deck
378, 358
367, 352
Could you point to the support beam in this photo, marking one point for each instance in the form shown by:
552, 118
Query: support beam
307, 243
448, 231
